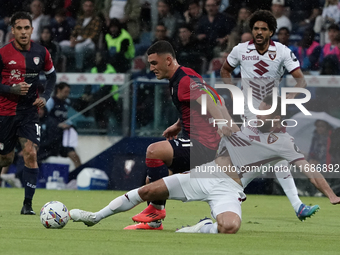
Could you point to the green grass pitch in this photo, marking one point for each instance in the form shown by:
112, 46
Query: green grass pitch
269, 226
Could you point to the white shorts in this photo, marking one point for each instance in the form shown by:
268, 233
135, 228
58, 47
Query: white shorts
221, 192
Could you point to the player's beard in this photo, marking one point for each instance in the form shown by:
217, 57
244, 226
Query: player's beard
264, 42
266, 127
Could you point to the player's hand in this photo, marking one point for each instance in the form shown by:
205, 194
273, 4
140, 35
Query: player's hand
224, 131
40, 102
172, 132
20, 88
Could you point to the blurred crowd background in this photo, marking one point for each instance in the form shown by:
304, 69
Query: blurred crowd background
114, 34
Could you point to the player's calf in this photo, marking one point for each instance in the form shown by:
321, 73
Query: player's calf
154, 191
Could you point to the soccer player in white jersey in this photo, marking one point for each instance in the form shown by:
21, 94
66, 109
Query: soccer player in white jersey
263, 63
223, 190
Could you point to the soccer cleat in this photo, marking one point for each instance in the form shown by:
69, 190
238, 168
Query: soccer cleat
11, 180
195, 228
144, 226
149, 214
88, 218
306, 211
27, 210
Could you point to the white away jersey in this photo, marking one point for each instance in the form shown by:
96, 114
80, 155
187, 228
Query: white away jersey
261, 72
252, 148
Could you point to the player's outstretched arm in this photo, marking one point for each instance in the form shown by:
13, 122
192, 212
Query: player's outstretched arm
172, 131
318, 181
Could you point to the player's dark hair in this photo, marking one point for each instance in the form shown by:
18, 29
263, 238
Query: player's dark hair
20, 15
60, 86
161, 47
265, 16
268, 100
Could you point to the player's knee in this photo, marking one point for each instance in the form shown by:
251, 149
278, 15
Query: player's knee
151, 151
30, 155
228, 227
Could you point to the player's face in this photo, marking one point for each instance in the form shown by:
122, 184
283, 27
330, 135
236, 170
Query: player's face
261, 33
159, 65
268, 125
22, 32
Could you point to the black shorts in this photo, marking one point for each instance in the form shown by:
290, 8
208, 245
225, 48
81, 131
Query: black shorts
12, 127
188, 154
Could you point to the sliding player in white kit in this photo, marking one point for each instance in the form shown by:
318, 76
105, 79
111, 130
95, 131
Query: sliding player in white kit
223, 191
263, 63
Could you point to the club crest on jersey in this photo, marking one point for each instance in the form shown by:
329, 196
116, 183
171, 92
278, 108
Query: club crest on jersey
272, 138
36, 60
272, 54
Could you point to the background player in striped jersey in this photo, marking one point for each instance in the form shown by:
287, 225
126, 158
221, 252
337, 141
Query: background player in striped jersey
21, 61
199, 137
263, 63
223, 191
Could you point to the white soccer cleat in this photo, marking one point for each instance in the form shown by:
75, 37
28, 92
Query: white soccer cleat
88, 218
195, 228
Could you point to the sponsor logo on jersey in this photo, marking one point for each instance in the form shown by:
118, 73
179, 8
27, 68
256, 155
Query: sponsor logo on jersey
12, 62
261, 65
194, 85
250, 57
36, 60
2, 146
272, 54
15, 74
272, 138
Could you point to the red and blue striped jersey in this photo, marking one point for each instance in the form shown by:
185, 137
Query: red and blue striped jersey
22, 66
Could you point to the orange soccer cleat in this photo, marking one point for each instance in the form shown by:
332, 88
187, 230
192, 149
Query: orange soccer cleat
149, 214
144, 226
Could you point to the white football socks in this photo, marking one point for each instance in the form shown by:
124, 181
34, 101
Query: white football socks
120, 204
209, 228
159, 207
287, 183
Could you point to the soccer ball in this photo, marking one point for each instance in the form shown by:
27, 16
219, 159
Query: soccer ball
54, 214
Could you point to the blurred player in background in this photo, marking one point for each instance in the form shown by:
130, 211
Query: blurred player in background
199, 138
223, 190
21, 61
263, 63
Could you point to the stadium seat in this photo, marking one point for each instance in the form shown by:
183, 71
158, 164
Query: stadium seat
138, 64
215, 65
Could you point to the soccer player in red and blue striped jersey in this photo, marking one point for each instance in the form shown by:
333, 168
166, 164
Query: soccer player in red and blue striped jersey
21, 62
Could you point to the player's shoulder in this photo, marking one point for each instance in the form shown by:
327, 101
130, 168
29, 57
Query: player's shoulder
37, 46
243, 46
280, 47
7, 47
185, 74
